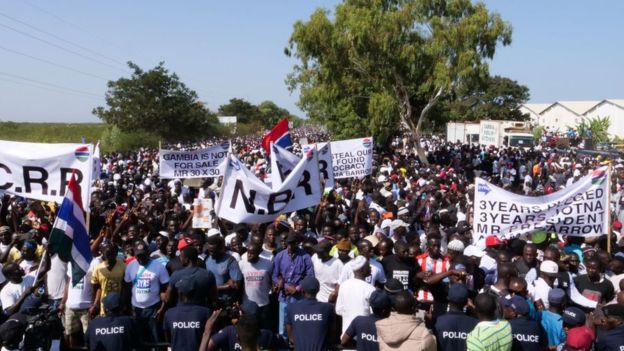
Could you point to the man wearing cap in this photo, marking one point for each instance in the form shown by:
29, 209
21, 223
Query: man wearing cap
107, 278
354, 294
552, 321
343, 250
363, 328
309, 323
527, 334
613, 320
327, 270
111, 331
580, 339
147, 281
539, 288
205, 293
488, 261
225, 269
289, 268
184, 324
377, 278
452, 328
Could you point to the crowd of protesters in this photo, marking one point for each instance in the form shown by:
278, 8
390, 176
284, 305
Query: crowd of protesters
387, 262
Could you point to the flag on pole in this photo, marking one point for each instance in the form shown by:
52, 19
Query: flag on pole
69, 237
279, 135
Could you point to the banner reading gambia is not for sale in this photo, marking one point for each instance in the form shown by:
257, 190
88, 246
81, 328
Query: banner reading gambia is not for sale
202, 163
581, 209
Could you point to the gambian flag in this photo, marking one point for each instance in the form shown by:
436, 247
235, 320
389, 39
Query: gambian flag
69, 237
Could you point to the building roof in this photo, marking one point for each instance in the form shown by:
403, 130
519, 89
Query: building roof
536, 108
579, 107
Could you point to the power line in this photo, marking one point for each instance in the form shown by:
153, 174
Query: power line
44, 88
56, 86
60, 47
52, 63
61, 39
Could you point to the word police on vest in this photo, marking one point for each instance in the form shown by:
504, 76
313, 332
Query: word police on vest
186, 325
109, 331
308, 317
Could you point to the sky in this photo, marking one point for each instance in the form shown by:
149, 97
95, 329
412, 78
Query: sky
57, 56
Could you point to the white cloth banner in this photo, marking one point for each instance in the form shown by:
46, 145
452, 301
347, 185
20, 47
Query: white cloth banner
202, 163
282, 163
42, 171
578, 210
325, 162
246, 199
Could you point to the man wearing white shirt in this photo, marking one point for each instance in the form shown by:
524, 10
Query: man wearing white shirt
539, 288
377, 276
354, 294
327, 270
75, 304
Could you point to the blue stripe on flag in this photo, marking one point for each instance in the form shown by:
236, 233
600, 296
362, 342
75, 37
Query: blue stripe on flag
80, 236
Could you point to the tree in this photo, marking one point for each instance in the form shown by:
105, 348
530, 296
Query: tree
490, 98
271, 113
157, 102
377, 63
595, 128
245, 111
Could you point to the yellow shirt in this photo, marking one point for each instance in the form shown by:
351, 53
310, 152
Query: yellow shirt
109, 281
15, 254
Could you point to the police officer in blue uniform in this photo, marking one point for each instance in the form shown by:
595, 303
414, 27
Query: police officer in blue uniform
363, 328
613, 339
452, 328
184, 324
527, 334
112, 331
309, 323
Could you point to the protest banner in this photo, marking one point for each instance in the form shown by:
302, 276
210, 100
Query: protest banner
246, 199
349, 158
282, 163
202, 213
325, 162
42, 171
581, 209
202, 163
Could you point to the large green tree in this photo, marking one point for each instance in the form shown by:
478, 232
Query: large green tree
374, 64
245, 111
490, 98
157, 102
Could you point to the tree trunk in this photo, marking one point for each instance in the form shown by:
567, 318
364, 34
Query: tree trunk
416, 130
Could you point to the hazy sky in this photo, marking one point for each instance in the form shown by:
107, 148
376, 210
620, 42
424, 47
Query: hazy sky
56, 56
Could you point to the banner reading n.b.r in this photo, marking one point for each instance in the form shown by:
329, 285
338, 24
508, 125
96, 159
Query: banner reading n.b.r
42, 171
202, 163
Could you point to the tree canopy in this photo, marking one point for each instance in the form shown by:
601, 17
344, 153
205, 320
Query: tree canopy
265, 115
372, 64
157, 102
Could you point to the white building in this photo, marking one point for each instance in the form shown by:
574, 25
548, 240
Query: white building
614, 109
534, 110
227, 119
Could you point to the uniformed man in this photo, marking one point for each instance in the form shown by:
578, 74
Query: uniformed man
452, 328
613, 320
184, 324
363, 329
112, 331
527, 334
309, 323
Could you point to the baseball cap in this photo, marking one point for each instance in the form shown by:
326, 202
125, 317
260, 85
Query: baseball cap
111, 301
518, 304
458, 293
579, 339
472, 250
164, 233
393, 286
617, 225
12, 331
549, 268
613, 310
380, 300
538, 237
573, 316
492, 240
310, 285
185, 286
556, 296
213, 231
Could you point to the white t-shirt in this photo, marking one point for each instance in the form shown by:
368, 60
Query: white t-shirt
11, 292
328, 274
539, 290
378, 276
29, 267
146, 287
55, 278
266, 254
257, 277
79, 296
353, 301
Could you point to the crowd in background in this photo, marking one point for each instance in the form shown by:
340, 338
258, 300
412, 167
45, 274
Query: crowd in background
386, 262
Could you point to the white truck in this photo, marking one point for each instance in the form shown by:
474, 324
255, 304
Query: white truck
491, 132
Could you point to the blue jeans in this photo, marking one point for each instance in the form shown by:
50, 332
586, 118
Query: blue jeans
146, 323
282, 321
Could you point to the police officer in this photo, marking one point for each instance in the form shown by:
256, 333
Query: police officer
527, 334
613, 320
309, 323
363, 328
184, 324
452, 328
112, 331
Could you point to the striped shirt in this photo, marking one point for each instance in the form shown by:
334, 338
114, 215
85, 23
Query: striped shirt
490, 336
435, 266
